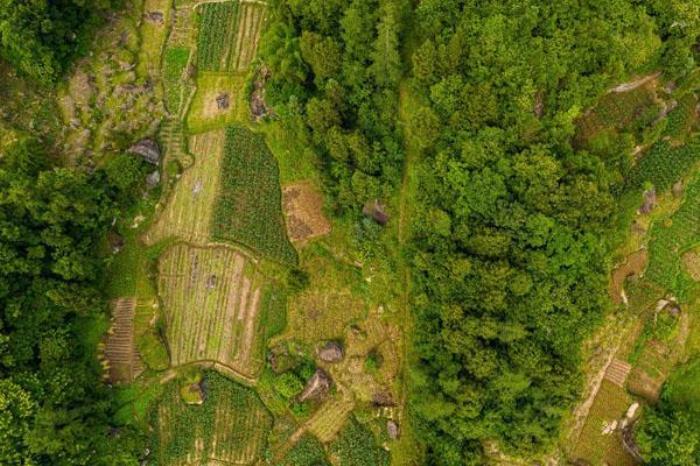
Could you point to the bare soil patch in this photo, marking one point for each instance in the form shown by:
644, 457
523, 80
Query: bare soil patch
633, 266
303, 209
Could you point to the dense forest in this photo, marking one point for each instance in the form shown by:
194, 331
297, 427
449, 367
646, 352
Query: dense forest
510, 249
42, 38
54, 407
337, 65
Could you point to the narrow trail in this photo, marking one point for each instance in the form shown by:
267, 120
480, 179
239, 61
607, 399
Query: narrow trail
403, 236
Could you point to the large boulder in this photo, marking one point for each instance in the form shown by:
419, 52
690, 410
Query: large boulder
376, 210
148, 149
392, 428
331, 352
317, 387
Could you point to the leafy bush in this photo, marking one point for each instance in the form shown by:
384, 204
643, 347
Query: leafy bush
288, 385
308, 451
356, 446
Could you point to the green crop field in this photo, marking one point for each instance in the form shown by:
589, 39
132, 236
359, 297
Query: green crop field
356, 446
175, 61
671, 238
248, 209
664, 164
216, 35
230, 427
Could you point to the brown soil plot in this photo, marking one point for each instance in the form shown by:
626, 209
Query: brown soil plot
120, 348
303, 209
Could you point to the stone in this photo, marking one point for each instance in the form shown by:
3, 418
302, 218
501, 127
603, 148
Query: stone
222, 102
317, 386
148, 149
392, 428
331, 352
153, 179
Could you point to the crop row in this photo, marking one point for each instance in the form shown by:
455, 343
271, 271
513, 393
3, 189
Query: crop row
663, 165
249, 204
231, 425
216, 35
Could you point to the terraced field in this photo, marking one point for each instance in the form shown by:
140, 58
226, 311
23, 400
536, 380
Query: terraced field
230, 427
229, 35
124, 363
188, 213
212, 300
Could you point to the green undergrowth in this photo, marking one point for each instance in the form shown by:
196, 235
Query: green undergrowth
249, 207
175, 61
308, 451
356, 446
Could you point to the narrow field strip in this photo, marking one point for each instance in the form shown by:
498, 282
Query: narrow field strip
188, 212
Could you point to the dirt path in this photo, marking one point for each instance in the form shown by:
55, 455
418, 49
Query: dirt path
411, 155
632, 85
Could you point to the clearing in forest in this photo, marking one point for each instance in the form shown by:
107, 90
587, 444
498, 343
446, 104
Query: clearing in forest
303, 209
230, 427
123, 360
212, 306
248, 208
616, 111
229, 33
188, 212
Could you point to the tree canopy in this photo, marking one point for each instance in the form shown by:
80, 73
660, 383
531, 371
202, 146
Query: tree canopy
41, 37
54, 408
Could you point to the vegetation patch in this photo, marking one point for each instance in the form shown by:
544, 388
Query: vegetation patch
175, 62
620, 110
597, 439
325, 309
664, 164
671, 238
308, 451
248, 208
216, 37
211, 299
633, 267
357, 446
250, 22
230, 426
